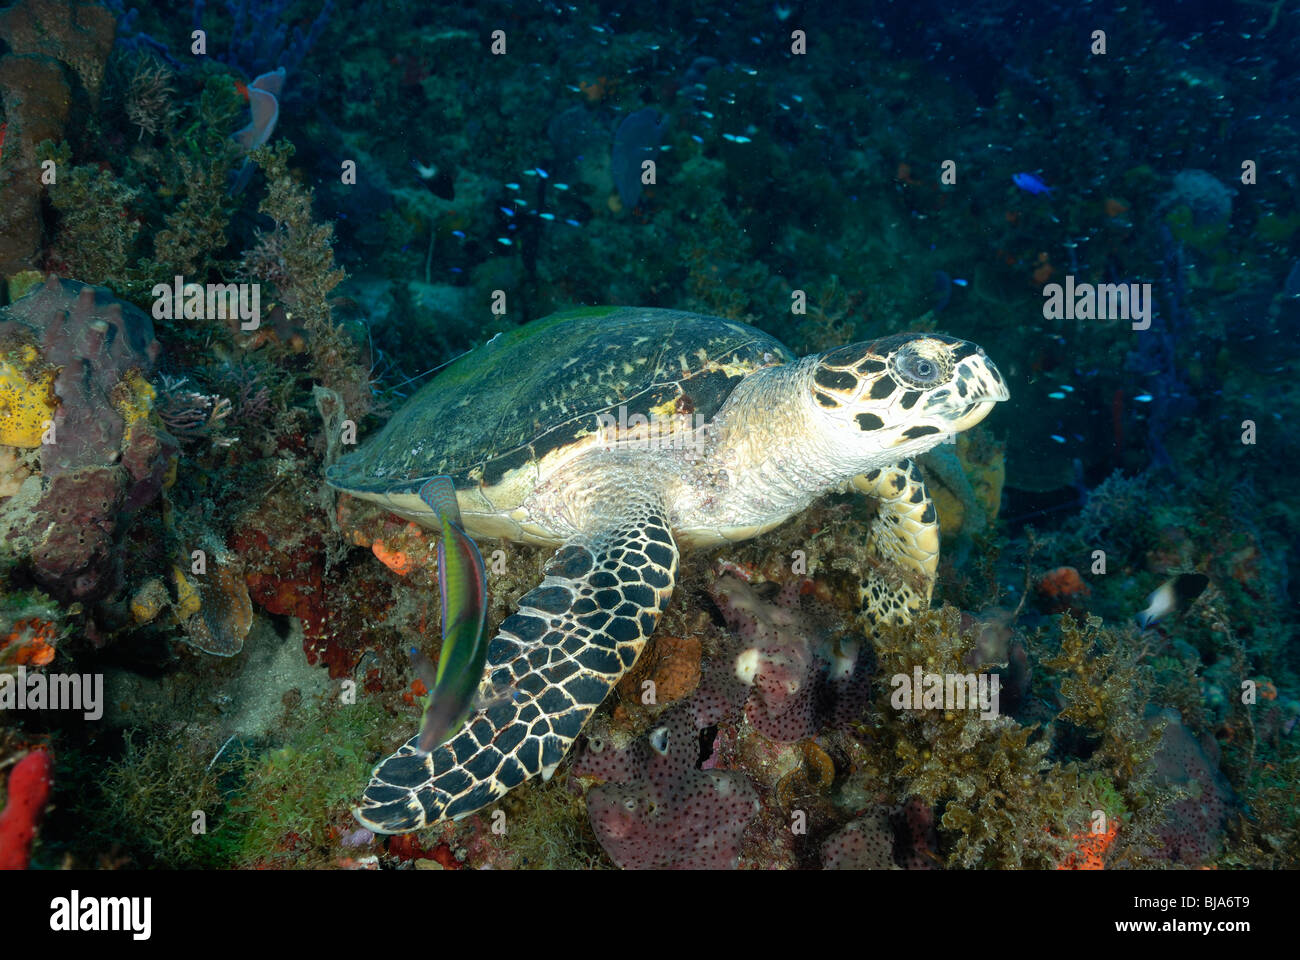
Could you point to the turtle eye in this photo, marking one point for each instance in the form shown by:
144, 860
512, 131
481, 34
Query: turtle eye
917, 370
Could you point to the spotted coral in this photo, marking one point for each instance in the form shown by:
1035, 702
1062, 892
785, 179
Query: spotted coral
1192, 831
866, 843
784, 664
658, 810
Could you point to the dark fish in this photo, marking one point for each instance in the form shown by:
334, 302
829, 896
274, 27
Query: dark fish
636, 141
1173, 596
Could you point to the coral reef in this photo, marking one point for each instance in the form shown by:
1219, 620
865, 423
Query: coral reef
104, 458
97, 225
657, 810
35, 97
150, 99
884, 838
793, 677
866, 843
78, 35
811, 202
57, 52
260, 40
295, 258
1062, 590
225, 613
1192, 831
27, 397
31, 629
970, 478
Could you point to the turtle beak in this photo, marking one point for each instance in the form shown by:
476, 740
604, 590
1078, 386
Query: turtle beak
986, 384
984, 387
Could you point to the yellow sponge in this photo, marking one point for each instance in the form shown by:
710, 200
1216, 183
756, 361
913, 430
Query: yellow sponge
27, 396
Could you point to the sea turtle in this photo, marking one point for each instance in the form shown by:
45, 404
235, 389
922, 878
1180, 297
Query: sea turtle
621, 435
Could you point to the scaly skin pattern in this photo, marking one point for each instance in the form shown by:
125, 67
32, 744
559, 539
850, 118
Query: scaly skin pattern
787, 433
904, 538
549, 667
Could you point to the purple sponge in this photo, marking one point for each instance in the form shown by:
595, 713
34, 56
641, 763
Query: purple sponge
660, 811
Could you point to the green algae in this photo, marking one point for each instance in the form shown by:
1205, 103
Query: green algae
168, 801
295, 799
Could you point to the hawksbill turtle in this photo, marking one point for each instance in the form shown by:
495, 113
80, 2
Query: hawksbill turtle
621, 436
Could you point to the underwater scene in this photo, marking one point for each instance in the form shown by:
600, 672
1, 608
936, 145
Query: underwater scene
594, 435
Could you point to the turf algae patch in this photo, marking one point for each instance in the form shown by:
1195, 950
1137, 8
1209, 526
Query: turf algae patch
284, 803
295, 802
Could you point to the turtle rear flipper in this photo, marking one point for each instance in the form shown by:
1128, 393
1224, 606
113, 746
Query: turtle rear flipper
572, 639
905, 536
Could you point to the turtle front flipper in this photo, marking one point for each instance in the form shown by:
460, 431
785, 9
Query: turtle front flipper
549, 666
904, 538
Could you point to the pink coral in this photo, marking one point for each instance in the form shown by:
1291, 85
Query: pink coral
793, 676
659, 810
1192, 832
866, 843
884, 838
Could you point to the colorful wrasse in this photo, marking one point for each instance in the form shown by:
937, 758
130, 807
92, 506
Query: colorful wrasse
462, 581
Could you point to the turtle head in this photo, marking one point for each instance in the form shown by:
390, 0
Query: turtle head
903, 394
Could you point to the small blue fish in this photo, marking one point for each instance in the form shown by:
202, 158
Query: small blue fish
507, 211
547, 216
1144, 398
1030, 183
561, 186
959, 281
512, 186
571, 222
458, 233
1058, 438
504, 241
1056, 395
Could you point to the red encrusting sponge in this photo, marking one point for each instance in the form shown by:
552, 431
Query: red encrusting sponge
29, 790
